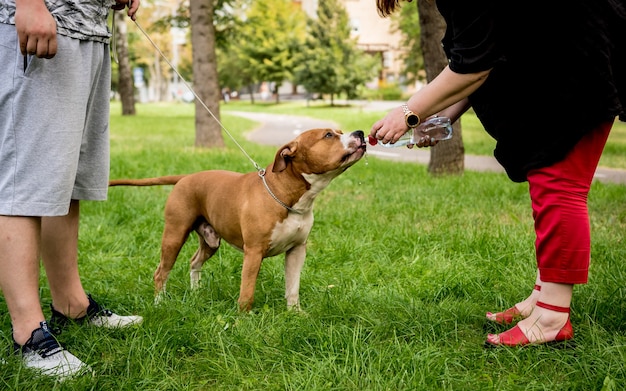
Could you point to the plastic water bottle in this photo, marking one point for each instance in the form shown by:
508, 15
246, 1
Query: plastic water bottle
436, 128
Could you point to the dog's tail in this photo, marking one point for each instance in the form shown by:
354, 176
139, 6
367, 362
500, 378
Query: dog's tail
162, 180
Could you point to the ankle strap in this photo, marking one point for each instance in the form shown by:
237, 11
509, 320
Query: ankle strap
552, 307
537, 287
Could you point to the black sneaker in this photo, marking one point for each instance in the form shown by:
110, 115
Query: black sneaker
96, 316
43, 353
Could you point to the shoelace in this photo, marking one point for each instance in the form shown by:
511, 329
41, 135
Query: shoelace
103, 312
47, 347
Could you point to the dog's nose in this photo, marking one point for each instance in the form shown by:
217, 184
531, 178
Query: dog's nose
359, 134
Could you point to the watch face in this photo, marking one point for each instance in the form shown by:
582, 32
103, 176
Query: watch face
412, 120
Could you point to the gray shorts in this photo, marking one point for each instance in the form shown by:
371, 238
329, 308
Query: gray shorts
54, 126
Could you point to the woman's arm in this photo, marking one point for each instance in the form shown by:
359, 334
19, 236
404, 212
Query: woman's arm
455, 111
447, 93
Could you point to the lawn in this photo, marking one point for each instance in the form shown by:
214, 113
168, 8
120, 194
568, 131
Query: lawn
401, 268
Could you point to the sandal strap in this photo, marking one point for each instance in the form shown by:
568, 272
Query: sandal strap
537, 287
552, 307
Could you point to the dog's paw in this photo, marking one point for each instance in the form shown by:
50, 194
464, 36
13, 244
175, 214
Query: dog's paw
159, 298
296, 309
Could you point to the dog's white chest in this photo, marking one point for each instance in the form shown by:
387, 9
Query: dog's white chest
290, 232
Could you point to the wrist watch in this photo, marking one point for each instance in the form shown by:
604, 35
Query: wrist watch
410, 118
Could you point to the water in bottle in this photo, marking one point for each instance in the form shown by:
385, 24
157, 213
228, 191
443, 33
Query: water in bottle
436, 128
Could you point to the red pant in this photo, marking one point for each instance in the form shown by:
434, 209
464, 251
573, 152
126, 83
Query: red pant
559, 200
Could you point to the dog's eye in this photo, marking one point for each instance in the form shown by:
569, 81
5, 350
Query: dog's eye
329, 135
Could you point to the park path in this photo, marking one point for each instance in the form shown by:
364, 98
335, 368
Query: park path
278, 129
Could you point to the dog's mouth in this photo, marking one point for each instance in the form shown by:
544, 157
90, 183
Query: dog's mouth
359, 135
357, 147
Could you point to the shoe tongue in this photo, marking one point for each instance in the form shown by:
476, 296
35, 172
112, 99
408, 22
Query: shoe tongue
41, 333
43, 340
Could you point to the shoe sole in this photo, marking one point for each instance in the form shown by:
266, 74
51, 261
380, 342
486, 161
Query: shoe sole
558, 345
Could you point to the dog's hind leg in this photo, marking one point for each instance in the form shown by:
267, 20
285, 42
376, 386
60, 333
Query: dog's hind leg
171, 244
209, 242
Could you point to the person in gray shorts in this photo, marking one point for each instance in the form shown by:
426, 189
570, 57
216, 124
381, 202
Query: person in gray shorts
54, 151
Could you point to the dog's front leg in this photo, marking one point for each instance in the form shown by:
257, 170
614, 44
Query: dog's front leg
294, 261
252, 259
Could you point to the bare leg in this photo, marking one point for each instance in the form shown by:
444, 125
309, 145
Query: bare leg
19, 273
59, 249
527, 305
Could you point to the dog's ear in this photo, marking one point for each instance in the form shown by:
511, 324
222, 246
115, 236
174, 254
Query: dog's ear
284, 154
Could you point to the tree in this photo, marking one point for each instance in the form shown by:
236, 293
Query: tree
423, 28
205, 81
234, 70
125, 81
447, 157
331, 63
266, 44
407, 22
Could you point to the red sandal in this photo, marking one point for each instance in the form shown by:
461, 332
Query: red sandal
516, 338
510, 315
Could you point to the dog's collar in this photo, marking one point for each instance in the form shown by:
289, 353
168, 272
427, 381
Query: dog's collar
289, 208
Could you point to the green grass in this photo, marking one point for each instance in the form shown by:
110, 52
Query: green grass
400, 269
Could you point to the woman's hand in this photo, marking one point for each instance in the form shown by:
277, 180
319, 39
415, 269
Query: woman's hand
424, 142
391, 127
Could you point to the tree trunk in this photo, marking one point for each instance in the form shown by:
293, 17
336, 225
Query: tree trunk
126, 88
251, 90
205, 80
447, 157
277, 95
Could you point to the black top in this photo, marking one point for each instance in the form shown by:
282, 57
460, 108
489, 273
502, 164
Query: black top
558, 71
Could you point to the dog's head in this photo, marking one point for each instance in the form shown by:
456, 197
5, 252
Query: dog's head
325, 152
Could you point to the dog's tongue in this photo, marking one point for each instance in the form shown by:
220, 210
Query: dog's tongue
372, 140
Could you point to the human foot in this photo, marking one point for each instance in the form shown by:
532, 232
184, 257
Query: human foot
542, 327
519, 311
96, 316
43, 353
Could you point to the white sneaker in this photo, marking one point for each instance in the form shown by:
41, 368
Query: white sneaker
96, 316
43, 353
112, 320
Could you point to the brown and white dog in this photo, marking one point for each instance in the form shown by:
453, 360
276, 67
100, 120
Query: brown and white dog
261, 215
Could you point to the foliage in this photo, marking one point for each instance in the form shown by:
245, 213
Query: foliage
331, 63
261, 41
161, 21
388, 91
274, 32
225, 20
407, 21
263, 48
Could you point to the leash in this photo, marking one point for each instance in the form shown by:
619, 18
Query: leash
196, 96
260, 170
